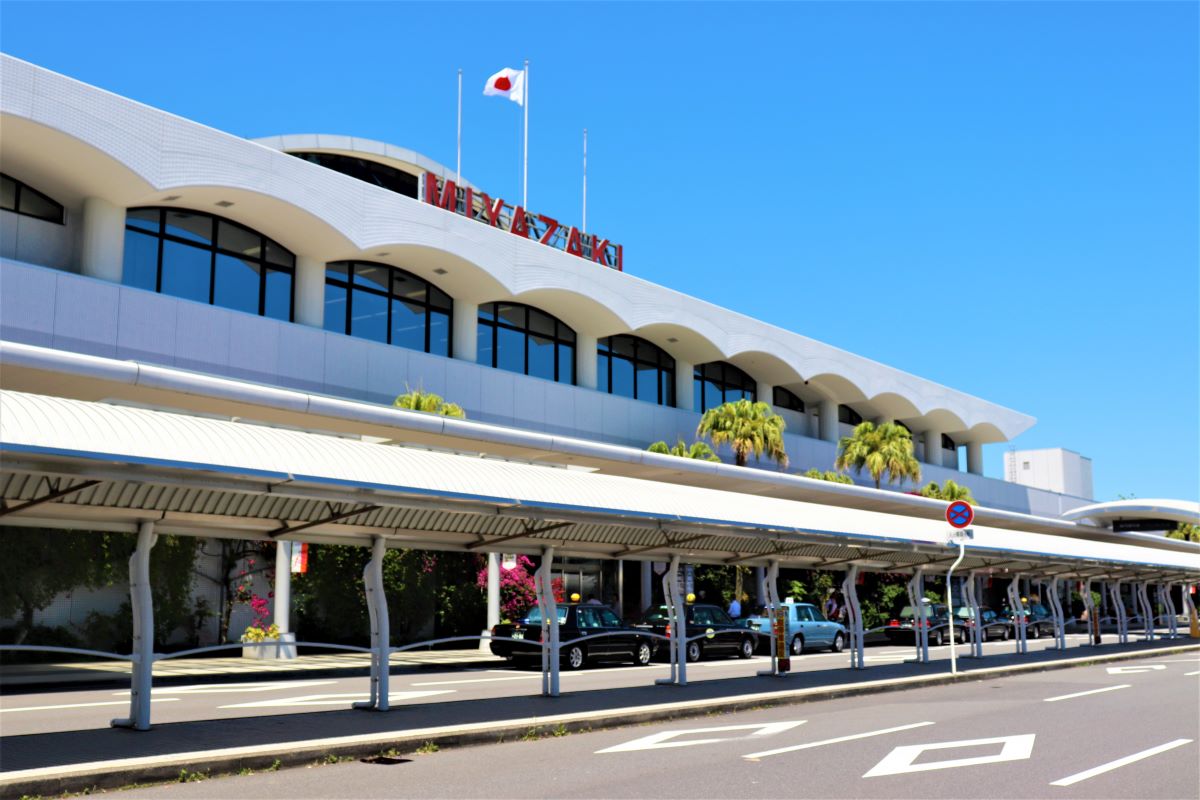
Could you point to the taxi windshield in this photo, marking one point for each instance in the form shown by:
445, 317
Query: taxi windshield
534, 617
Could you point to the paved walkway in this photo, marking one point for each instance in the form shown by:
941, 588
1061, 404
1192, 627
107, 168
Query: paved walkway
43, 676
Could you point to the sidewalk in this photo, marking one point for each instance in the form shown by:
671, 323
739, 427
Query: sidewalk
79, 674
81, 760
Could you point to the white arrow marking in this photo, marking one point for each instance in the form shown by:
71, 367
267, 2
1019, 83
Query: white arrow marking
899, 761
657, 741
1120, 762
836, 740
222, 688
1137, 668
332, 699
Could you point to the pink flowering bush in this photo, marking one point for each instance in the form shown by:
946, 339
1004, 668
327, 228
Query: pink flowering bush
517, 593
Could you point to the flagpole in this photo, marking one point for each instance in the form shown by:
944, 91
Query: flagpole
525, 146
458, 163
585, 180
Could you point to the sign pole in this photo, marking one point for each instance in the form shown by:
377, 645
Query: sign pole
584, 224
962, 551
525, 145
458, 162
959, 514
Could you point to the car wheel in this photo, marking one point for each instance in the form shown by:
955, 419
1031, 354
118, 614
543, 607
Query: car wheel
643, 654
839, 642
576, 657
935, 638
1034, 632
798, 645
746, 649
694, 651
1004, 634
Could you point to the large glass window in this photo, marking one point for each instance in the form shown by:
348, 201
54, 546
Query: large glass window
718, 382
948, 443
523, 339
786, 399
208, 259
20, 198
848, 415
633, 367
387, 304
390, 178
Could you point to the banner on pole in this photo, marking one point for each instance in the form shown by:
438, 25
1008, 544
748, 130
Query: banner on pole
300, 557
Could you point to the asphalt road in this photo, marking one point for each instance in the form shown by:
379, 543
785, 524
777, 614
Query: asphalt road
1127, 730
77, 710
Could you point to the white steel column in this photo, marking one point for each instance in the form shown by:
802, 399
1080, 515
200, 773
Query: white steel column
676, 625
1114, 594
464, 326
1094, 636
143, 632
975, 458
1143, 599
1056, 610
310, 291
827, 422
854, 612
544, 580
1168, 604
102, 239
1020, 624
377, 611
493, 598
978, 631
685, 386
916, 598
773, 608
585, 360
283, 598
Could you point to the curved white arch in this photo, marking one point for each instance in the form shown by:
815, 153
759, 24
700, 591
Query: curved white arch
323, 215
1186, 511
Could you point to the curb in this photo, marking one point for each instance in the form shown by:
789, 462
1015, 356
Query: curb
117, 773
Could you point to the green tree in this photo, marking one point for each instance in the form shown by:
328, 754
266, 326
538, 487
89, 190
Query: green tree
1186, 532
828, 475
747, 427
697, 450
420, 400
39, 564
885, 448
949, 490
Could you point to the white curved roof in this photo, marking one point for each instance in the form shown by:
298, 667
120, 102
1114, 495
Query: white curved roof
207, 452
370, 149
1187, 511
78, 141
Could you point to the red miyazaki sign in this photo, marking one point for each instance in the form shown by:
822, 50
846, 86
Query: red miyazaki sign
514, 219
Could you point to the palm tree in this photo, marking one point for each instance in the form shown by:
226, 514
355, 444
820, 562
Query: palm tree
1186, 532
698, 450
828, 475
420, 400
747, 427
948, 491
880, 448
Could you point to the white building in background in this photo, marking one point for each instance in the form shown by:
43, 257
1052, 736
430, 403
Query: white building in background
1053, 469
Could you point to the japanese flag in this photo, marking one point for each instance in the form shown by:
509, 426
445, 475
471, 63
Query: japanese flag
508, 83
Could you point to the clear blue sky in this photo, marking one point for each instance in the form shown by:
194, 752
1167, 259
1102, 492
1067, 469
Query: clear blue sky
1001, 197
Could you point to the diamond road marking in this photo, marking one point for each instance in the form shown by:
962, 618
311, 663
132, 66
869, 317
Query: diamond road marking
656, 741
333, 699
1137, 668
899, 761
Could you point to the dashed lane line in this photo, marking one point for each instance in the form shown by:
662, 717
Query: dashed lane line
836, 740
1071, 780
84, 705
1090, 691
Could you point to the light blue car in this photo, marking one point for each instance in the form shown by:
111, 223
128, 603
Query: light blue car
807, 629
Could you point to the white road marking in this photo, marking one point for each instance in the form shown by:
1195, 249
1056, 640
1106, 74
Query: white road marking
346, 699
537, 675
1135, 668
1190, 674
1120, 762
657, 741
223, 688
84, 705
1090, 691
899, 761
836, 740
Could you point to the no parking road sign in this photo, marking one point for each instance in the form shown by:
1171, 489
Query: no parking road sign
960, 514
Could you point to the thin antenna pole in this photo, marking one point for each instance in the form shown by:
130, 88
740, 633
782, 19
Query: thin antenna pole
458, 163
525, 146
585, 180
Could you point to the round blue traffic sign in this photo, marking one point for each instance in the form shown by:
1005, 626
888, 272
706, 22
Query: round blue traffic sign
960, 514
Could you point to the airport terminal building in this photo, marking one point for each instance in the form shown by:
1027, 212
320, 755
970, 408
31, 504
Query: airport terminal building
304, 281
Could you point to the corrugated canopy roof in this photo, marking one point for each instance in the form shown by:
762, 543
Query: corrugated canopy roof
108, 466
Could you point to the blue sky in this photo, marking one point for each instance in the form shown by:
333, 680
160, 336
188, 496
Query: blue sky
1001, 197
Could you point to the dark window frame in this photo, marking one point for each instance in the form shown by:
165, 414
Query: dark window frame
646, 354
265, 265
19, 189
728, 377
350, 286
384, 176
848, 416
948, 443
495, 324
785, 398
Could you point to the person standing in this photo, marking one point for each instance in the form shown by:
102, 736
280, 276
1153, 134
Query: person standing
735, 607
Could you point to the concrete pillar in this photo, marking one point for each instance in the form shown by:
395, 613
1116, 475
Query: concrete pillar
685, 381
766, 393
975, 458
585, 360
102, 239
760, 586
646, 594
310, 292
283, 586
933, 447
828, 421
465, 325
493, 590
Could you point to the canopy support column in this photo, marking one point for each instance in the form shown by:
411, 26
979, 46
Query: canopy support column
676, 625
854, 611
1019, 620
1114, 595
1189, 607
1147, 610
771, 584
916, 599
1168, 604
143, 632
978, 632
544, 585
377, 613
1093, 614
1056, 612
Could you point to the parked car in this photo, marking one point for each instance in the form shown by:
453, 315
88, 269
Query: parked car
576, 620
994, 627
1038, 623
807, 628
724, 636
936, 616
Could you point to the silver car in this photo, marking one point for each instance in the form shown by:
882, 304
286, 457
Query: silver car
807, 629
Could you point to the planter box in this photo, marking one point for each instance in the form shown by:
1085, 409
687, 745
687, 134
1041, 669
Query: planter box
283, 648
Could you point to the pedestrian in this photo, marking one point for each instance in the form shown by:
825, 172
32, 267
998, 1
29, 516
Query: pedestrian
735, 607
831, 606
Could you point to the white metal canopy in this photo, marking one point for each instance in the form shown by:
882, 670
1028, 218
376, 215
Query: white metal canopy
216, 477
